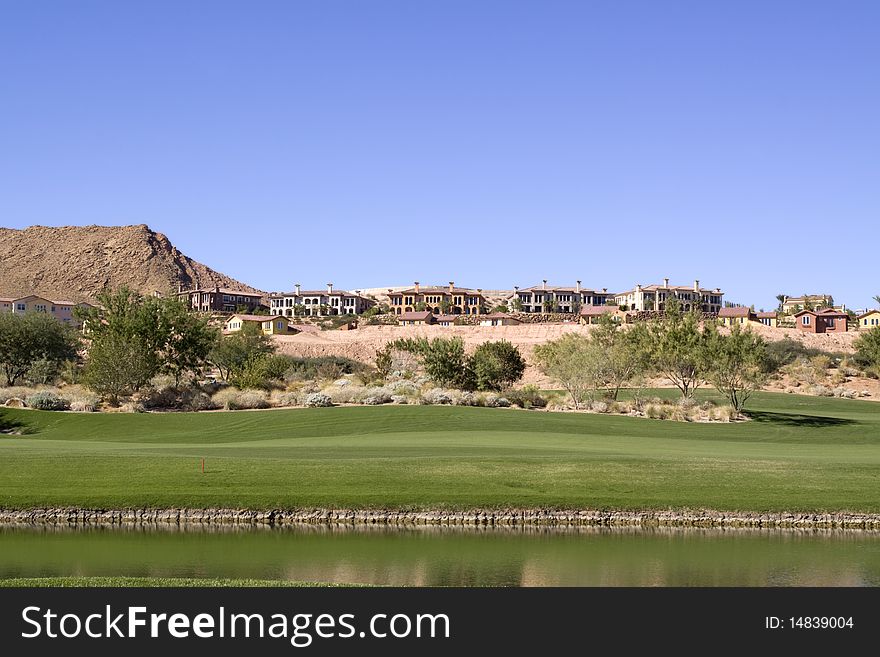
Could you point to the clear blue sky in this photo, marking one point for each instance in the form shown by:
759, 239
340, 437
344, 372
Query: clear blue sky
491, 143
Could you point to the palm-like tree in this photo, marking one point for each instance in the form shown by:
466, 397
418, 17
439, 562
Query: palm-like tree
781, 299
877, 299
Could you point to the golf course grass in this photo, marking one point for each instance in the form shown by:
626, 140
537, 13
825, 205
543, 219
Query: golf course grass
183, 582
797, 454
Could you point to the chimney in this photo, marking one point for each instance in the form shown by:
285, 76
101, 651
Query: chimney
451, 286
216, 289
296, 286
577, 288
544, 284
604, 290
416, 283
638, 287
329, 288
179, 287
666, 283
696, 285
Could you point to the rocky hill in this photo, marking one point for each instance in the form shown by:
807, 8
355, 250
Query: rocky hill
76, 262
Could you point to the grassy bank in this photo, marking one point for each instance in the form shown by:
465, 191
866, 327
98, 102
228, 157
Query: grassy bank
798, 454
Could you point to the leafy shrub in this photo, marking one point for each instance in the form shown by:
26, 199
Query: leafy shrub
527, 397
233, 399
321, 367
47, 401
317, 400
496, 365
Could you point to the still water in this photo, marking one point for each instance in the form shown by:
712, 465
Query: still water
454, 557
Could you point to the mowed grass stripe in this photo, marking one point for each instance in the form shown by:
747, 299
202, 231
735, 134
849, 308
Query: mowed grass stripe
803, 454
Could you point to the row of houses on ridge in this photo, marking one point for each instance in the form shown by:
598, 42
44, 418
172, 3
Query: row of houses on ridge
60, 310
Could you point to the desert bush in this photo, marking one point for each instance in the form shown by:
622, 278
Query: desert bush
599, 406
376, 396
820, 391
47, 401
436, 396
491, 400
345, 395
17, 392
317, 400
132, 407
399, 399
284, 398
526, 397
322, 367
83, 407
233, 399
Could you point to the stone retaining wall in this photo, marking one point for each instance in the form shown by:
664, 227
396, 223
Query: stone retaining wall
501, 518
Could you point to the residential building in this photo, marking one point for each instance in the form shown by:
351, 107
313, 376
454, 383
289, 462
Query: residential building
446, 320
318, 303
449, 300
221, 300
543, 298
869, 319
743, 315
736, 315
791, 305
826, 320
415, 318
498, 319
61, 310
268, 324
592, 314
769, 318
653, 297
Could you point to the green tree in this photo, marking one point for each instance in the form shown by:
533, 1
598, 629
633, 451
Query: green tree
443, 359
781, 299
516, 305
867, 347
232, 353
118, 366
496, 365
738, 364
187, 339
675, 346
179, 340
260, 371
29, 340
444, 305
420, 306
877, 299
548, 306
384, 361
623, 353
575, 362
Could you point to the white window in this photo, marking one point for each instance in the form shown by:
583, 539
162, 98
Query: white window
805, 320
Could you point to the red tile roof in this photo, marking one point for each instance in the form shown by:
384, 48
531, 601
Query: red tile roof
595, 311
735, 311
766, 315
416, 316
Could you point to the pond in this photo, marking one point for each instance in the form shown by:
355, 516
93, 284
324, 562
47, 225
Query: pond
588, 556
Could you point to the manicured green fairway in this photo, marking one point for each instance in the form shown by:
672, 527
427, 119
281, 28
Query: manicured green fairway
800, 453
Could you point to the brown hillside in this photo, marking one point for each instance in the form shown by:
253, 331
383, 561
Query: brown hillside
76, 262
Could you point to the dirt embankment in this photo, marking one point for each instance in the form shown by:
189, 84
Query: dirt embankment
362, 344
